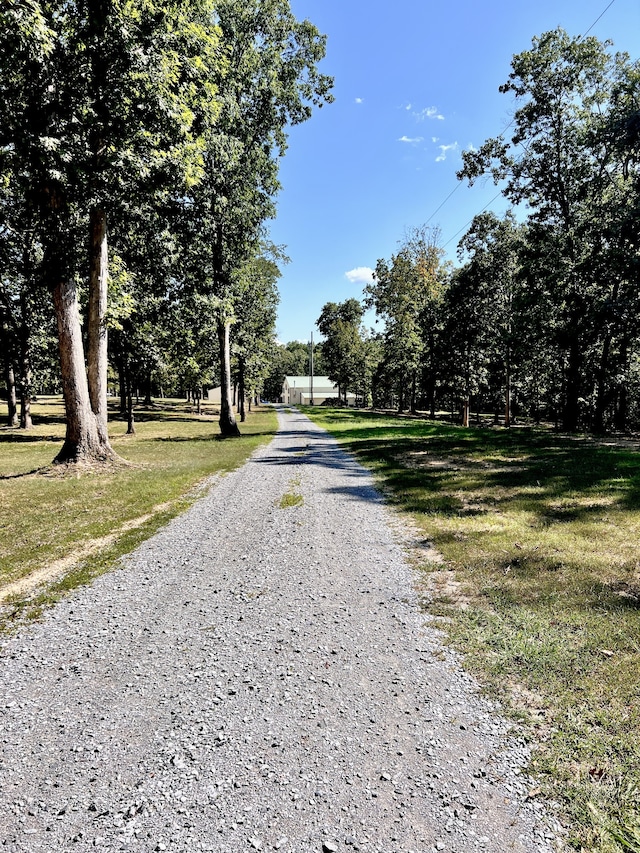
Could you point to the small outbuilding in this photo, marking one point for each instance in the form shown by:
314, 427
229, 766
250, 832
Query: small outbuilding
296, 391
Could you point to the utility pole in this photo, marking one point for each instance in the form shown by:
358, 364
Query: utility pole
311, 403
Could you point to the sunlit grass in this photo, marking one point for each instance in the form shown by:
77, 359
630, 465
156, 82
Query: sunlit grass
542, 532
46, 513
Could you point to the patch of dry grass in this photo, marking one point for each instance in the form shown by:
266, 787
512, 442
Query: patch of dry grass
47, 513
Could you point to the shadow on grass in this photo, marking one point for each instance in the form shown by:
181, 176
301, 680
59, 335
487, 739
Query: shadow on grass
214, 437
43, 470
589, 593
430, 469
27, 438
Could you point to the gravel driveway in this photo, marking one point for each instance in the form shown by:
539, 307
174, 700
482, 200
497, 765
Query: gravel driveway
257, 677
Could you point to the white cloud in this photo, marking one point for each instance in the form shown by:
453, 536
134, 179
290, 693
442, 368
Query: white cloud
435, 138
360, 275
429, 112
444, 150
413, 140
359, 100
471, 147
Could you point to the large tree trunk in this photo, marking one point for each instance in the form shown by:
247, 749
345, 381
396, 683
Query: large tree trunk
12, 403
227, 421
97, 324
241, 392
83, 442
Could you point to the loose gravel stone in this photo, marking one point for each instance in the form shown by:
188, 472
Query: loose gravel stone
258, 678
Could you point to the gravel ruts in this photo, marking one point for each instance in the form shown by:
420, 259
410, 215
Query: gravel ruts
257, 678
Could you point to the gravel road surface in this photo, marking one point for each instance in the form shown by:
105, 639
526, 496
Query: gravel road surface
257, 677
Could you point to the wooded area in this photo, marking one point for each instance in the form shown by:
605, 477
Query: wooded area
139, 154
541, 316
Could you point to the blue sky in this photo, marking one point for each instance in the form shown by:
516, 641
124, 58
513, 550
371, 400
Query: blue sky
416, 82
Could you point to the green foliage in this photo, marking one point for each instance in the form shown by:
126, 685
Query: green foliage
168, 118
253, 332
577, 186
344, 349
407, 293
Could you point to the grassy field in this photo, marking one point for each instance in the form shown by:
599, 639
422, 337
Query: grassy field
539, 589
48, 515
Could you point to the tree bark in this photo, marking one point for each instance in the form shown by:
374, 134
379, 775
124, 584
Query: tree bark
227, 421
83, 442
98, 12
12, 403
97, 321
465, 412
241, 393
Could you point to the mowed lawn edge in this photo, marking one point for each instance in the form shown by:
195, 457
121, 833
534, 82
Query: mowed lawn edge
50, 514
538, 589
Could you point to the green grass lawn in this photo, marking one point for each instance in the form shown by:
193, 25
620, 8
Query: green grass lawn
47, 513
539, 589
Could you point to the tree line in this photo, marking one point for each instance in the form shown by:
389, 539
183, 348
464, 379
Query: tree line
139, 153
541, 316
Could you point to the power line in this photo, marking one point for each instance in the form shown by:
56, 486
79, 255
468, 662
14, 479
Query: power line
442, 204
502, 132
597, 19
497, 195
